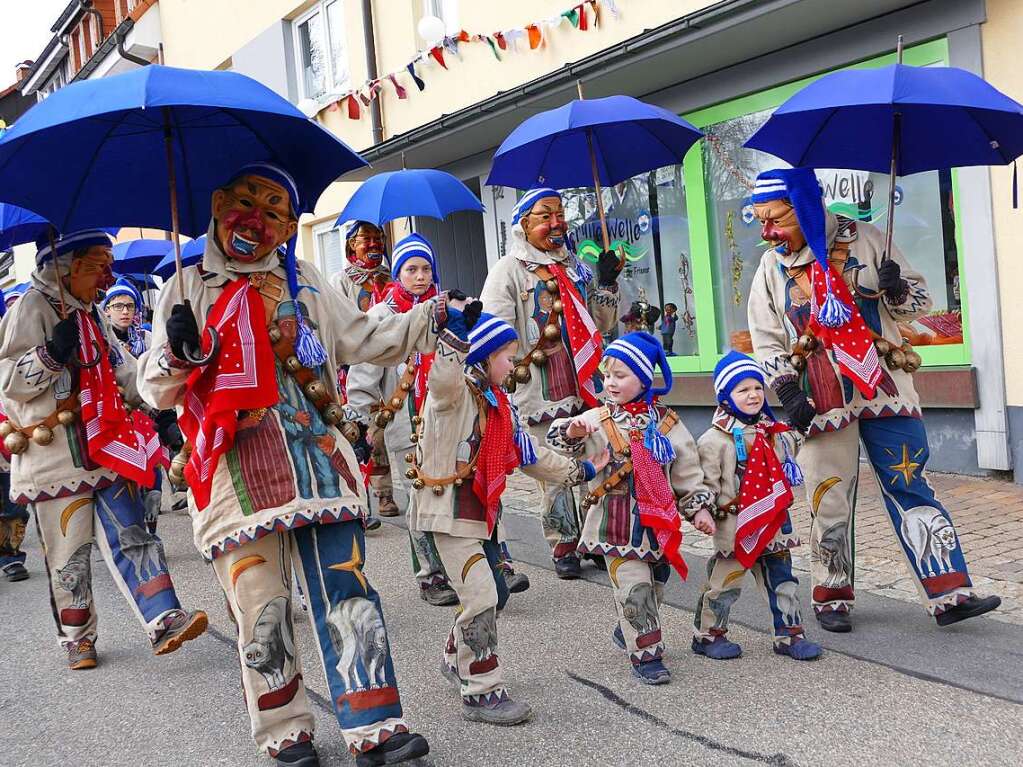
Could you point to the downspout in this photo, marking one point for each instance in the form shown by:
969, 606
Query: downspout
371, 68
87, 7
121, 35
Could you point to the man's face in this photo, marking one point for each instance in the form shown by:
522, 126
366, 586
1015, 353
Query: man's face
779, 226
366, 247
121, 312
90, 273
253, 218
544, 225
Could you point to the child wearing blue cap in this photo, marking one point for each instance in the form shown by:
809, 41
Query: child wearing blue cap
474, 440
634, 508
747, 462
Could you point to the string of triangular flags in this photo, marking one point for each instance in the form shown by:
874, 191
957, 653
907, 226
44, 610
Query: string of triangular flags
580, 16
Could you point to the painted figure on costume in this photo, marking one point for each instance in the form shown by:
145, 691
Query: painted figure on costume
83, 469
272, 480
546, 295
824, 311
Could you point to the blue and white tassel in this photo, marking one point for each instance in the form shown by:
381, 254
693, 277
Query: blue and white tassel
524, 443
833, 313
660, 446
793, 474
308, 349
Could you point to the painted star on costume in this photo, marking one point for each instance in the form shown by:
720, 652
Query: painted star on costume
353, 566
907, 468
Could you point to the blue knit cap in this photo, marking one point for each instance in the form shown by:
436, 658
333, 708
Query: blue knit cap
529, 199
86, 238
488, 335
413, 246
123, 287
643, 354
730, 371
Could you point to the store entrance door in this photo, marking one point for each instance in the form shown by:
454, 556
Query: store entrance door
459, 245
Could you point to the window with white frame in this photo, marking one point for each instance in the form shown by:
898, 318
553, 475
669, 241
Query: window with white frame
446, 11
329, 248
321, 51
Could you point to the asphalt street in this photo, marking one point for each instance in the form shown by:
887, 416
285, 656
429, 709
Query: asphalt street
896, 691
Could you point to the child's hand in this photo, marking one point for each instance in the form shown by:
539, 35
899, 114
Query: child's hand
579, 427
601, 460
704, 522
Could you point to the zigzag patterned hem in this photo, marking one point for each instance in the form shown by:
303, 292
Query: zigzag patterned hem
646, 655
564, 410
948, 601
300, 519
886, 411
606, 550
84, 486
792, 542
486, 700
291, 740
377, 737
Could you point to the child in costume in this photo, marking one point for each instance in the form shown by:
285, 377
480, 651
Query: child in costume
13, 516
747, 462
470, 439
635, 506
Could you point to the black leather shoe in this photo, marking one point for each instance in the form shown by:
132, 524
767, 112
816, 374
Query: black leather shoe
834, 620
971, 608
397, 748
299, 755
567, 568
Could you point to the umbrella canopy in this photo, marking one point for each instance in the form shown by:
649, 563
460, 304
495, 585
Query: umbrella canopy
18, 226
947, 118
94, 153
140, 256
628, 137
191, 253
401, 193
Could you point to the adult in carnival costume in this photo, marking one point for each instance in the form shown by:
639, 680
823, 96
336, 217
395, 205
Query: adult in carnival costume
13, 516
543, 292
363, 279
274, 486
78, 457
824, 310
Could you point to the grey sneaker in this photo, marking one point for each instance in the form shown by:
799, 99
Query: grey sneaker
178, 628
15, 572
438, 595
505, 713
81, 655
516, 582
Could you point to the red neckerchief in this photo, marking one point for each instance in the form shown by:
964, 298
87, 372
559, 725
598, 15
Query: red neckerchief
764, 495
242, 377
584, 341
852, 343
111, 437
401, 301
498, 457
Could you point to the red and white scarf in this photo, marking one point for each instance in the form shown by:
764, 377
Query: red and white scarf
498, 457
401, 301
242, 377
112, 438
764, 495
851, 343
584, 341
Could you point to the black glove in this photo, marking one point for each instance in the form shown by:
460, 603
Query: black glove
796, 405
457, 295
609, 266
361, 446
64, 341
471, 314
182, 330
167, 429
889, 279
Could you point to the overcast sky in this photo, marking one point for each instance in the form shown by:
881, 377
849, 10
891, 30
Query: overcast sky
24, 32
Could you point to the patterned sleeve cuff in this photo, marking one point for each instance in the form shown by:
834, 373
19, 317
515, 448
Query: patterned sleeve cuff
899, 298
782, 380
174, 362
440, 312
449, 338
694, 504
47, 360
558, 439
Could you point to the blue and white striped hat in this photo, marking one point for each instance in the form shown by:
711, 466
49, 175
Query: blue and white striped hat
730, 371
528, 200
413, 246
123, 288
643, 354
488, 335
85, 238
800, 187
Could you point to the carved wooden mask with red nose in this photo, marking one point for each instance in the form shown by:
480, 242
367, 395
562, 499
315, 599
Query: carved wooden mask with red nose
544, 225
779, 225
253, 218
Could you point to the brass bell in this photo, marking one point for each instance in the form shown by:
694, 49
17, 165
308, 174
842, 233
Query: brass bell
6, 428
896, 358
557, 307
333, 414
521, 373
274, 332
383, 418
552, 286
293, 364
883, 346
410, 457
458, 481
414, 437
538, 358
15, 443
608, 487
551, 332
913, 362
626, 451
438, 490
396, 402
42, 435
418, 484
411, 474
798, 362
807, 342
350, 431
510, 384
66, 417
177, 468
416, 420
404, 386
315, 390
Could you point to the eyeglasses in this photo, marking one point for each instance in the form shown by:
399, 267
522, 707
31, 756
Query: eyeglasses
121, 307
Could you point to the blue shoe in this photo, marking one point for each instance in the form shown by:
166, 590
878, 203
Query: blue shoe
618, 638
651, 672
718, 648
800, 648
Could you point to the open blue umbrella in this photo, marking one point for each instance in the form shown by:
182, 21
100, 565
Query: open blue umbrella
191, 253
401, 193
140, 256
900, 119
589, 142
18, 226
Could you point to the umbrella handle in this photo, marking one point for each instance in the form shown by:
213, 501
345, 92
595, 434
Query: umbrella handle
196, 357
90, 363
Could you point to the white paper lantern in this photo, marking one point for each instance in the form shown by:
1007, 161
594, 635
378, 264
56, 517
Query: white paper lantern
431, 29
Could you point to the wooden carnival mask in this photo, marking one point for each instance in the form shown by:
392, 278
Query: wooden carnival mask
544, 225
253, 218
779, 226
366, 247
90, 273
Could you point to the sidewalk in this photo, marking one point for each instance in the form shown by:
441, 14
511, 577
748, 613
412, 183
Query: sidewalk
988, 514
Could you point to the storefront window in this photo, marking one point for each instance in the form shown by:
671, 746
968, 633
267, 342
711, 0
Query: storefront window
646, 219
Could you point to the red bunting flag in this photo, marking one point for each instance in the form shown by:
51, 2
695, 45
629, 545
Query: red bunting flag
501, 42
353, 107
402, 93
438, 53
583, 24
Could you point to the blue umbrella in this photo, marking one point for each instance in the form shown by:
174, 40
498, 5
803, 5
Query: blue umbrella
140, 256
18, 226
592, 142
191, 253
401, 193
